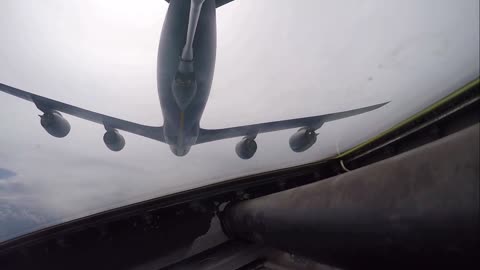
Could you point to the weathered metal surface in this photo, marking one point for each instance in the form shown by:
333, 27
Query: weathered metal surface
417, 208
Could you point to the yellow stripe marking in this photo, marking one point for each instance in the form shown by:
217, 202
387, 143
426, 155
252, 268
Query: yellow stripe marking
414, 117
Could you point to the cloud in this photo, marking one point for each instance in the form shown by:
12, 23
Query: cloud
4, 173
20, 209
9, 185
17, 218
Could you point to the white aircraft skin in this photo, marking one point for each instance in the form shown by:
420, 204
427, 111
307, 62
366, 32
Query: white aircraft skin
185, 68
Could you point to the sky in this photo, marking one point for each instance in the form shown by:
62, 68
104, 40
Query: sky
276, 60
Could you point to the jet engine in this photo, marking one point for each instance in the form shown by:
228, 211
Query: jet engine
246, 148
113, 140
54, 123
303, 139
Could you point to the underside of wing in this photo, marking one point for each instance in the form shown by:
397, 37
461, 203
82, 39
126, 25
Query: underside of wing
57, 126
300, 141
311, 123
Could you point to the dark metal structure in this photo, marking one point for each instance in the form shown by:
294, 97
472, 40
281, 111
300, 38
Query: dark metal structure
420, 207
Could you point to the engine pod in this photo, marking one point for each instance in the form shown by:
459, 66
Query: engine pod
113, 140
54, 123
246, 148
303, 139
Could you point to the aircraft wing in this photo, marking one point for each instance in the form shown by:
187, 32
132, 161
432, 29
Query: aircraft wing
46, 104
314, 122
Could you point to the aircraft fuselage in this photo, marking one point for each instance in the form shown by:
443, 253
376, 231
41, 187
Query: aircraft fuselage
181, 125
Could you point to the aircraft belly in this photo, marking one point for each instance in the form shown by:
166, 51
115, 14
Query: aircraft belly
172, 40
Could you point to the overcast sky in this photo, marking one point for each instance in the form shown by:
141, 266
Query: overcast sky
276, 59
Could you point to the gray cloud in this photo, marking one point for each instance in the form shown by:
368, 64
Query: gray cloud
4, 173
17, 218
20, 210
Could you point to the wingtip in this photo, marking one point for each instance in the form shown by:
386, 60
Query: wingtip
382, 104
376, 106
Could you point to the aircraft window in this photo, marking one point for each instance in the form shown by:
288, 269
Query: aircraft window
89, 68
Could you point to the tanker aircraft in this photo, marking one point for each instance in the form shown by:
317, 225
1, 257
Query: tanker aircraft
185, 68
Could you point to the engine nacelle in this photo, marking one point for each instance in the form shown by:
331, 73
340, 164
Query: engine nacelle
246, 148
303, 139
113, 140
54, 123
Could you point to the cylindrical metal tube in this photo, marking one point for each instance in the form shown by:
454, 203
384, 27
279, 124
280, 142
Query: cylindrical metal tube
418, 208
